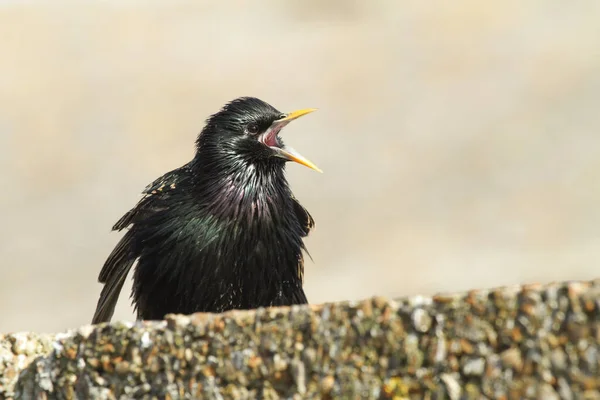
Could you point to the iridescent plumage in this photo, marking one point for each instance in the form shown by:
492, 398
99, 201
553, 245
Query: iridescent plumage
222, 232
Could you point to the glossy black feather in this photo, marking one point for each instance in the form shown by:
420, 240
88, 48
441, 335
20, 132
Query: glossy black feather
222, 232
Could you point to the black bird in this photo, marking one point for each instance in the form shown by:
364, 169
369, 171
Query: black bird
223, 231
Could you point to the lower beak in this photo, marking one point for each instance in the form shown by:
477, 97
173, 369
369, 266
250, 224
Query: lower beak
287, 152
292, 155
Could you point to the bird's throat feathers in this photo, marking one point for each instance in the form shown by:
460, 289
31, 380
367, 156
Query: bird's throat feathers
233, 186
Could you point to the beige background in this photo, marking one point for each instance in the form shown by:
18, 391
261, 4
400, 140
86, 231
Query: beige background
460, 140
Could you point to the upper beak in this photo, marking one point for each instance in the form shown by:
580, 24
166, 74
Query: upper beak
295, 114
287, 152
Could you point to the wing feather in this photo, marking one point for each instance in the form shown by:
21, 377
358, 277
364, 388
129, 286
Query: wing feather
128, 249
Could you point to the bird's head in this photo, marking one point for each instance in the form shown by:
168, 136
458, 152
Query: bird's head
247, 130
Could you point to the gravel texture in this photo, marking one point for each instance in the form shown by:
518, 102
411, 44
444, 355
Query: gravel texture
529, 342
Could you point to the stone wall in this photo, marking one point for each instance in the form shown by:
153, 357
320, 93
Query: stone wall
538, 342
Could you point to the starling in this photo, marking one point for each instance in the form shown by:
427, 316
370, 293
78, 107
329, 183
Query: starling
223, 231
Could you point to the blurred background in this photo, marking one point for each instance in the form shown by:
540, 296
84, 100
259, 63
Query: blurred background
460, 141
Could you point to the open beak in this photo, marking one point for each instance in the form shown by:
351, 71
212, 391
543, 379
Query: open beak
269, 138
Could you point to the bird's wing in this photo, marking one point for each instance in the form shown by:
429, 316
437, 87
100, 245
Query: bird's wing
128, 249
154, 194
307, 223
306, 220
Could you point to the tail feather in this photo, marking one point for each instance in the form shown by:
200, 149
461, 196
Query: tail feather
113, 276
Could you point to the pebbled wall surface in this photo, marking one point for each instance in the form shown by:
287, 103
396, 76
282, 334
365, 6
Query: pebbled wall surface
527, 342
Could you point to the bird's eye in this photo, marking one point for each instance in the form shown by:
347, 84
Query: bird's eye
252, 129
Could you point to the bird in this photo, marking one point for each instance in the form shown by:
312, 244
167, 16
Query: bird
222, 232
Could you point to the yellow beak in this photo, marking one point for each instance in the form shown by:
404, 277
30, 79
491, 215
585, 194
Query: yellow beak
287, 152
296, 114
